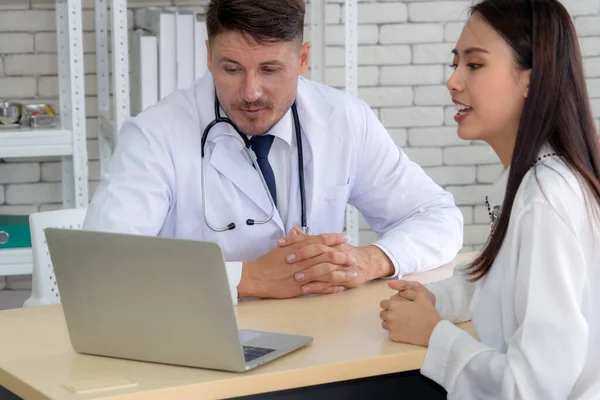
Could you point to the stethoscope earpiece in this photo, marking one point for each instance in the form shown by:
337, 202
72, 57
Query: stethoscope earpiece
249, 222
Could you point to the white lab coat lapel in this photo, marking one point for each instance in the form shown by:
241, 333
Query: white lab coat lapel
313, 115
224, 149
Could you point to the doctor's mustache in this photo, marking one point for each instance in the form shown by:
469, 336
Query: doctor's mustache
255, 105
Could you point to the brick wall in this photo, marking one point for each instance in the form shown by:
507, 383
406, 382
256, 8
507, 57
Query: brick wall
404, 49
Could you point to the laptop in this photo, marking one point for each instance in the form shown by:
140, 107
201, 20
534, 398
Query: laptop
155, 299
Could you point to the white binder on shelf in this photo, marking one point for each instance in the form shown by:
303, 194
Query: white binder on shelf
162, 22
200, 53
144, 70
184, 22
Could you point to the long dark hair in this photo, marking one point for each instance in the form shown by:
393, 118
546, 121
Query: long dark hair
557, 110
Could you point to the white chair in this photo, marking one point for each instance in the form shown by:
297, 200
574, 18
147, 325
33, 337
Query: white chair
44, 290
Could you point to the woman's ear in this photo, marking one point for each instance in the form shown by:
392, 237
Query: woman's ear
527, 80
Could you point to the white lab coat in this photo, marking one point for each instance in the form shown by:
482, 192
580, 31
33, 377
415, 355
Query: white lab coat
537, 312
153, 186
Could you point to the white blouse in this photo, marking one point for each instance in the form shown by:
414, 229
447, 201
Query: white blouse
537, 312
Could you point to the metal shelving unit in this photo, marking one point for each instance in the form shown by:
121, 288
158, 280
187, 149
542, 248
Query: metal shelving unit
111, 118
68, 140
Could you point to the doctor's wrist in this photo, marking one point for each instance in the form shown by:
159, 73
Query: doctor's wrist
248, 286
380, 264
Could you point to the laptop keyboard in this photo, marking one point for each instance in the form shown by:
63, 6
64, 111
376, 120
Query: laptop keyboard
251, 353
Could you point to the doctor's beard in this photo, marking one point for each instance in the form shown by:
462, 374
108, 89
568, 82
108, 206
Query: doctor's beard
255, 123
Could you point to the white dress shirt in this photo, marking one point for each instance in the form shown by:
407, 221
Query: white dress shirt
280, 157
537, 312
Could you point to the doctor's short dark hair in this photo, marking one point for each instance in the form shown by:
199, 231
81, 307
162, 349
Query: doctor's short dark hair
265, 21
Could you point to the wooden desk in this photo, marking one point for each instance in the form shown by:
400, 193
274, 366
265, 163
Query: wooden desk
38, 362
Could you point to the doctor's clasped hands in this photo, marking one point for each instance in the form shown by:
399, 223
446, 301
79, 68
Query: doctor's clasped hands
305, 264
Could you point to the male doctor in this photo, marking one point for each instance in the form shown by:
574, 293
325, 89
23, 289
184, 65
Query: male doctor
267, 167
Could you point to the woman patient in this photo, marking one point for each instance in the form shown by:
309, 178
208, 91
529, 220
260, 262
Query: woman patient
533, 294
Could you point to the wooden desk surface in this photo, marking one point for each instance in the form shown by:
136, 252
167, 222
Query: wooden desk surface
38, 362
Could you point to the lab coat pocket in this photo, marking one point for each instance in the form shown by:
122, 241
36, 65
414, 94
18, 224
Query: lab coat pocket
330, 209
339, 192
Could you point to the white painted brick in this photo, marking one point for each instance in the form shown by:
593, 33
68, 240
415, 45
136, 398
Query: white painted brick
467, 213
89, 63
438, 11
367, 76
582, 7
31, 20
399, 136
448, 71
18, 87
336, 56
588, 26
45, 42
333, 14
17, 210
592, 67
16, 43
471, 195
92, 150
91, 106
432, 96
411, 116
384, 55
489, 173
432, 137
468, 155
412, 75
48, 4
52, 171
481, 215
432, 53
411, 33
425, 157
593, 86
33, 193
19, 173
452, 31
595, 103
14, 5
452, 175
381, 13
31, 64
387, 96
367, 34
449, 113
91, 125
590, 46
476, 234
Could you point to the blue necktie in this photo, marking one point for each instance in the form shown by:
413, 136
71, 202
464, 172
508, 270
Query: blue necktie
261, 146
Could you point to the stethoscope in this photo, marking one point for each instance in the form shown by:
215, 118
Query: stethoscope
253, 160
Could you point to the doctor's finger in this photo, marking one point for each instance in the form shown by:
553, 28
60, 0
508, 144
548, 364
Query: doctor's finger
321, 288
316, 253
318, 271
327, 239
